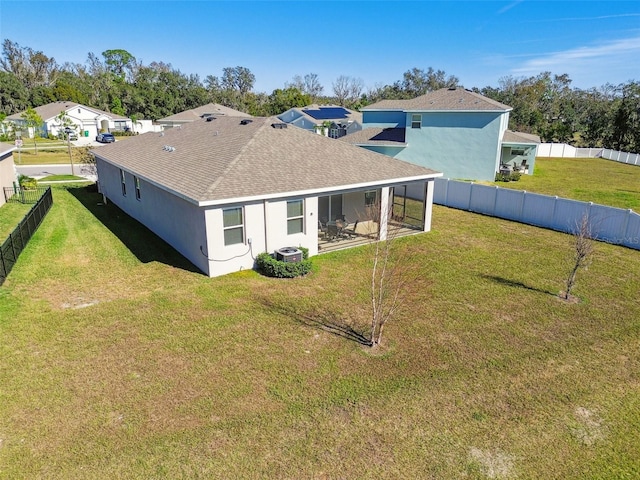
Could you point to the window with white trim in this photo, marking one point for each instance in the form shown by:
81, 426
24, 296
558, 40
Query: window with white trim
123, 183
416, 120
295, 216
136, 182
233, 225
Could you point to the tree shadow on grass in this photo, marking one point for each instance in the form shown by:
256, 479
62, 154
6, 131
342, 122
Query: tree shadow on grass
515, 284
142, 242
326, 321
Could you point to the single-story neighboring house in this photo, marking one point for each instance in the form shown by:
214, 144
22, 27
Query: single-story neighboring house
7, 169
458, 132
87, 121
329, 120
195, 114
223, 190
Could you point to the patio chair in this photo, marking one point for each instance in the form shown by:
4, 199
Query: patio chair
351, 231
332, 231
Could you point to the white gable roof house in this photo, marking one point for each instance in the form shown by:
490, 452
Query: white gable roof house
222, 190
88, 121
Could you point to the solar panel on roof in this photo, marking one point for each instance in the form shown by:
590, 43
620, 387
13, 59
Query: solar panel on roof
327, 113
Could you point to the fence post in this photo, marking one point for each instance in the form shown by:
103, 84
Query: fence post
4, 267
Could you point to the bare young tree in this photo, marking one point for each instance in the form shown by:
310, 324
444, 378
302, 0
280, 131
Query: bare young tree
583, 247
347, 89
393, 274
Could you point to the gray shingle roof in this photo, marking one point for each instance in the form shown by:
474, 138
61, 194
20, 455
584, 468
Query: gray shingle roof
196, 113
519, 137
51, 110
444, 99
223, 160
394, 137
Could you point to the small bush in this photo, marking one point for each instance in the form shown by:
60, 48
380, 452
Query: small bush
123, 133
27, 183
508, 177
271, 267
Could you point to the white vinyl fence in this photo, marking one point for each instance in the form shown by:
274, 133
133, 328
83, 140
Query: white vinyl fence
609, 224
622, 157
563, 150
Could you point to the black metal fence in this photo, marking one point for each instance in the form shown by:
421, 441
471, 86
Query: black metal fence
22, 195
17, 240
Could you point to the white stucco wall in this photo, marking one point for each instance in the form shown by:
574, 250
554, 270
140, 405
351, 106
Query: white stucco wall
7, 174
178, 222
265, 224
86, 120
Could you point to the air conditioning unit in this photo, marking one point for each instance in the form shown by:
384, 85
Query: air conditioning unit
289, 254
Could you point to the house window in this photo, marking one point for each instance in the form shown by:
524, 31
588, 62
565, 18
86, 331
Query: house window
136, 182
233, 225
416, 120
517, 151
295, 216
369, 198
123, 183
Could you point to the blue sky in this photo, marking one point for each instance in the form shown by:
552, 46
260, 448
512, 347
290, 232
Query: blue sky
594, 42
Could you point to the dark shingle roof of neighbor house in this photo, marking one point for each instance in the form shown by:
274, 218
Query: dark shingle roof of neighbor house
318, 114
50, 110
210, 162
444, 99
519, 137
382, 137
197, 113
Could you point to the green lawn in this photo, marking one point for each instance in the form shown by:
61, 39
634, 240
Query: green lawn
119, 361
10, 216
587, 179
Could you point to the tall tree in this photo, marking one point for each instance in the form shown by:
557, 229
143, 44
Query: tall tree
308, 85
282, 100
14, 96
32, 68
120, 62
33, 121
347, 90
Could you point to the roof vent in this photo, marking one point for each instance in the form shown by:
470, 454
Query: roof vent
168, 148
453, 88
245, 121
279, 125
210, 118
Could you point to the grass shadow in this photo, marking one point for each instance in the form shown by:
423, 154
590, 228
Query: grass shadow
142, 242
516, 284
326, 321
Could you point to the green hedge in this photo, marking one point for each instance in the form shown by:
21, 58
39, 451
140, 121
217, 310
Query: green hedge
271, 267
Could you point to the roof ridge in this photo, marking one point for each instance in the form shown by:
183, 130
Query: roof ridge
236, 159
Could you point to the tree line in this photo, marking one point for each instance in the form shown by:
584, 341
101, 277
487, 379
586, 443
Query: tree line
546, 104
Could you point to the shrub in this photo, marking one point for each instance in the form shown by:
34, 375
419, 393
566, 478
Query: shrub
508, 177
27, 183
271, 267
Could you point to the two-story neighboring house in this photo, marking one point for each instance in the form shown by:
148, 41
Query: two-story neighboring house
87, 121
458, 132
328, 120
